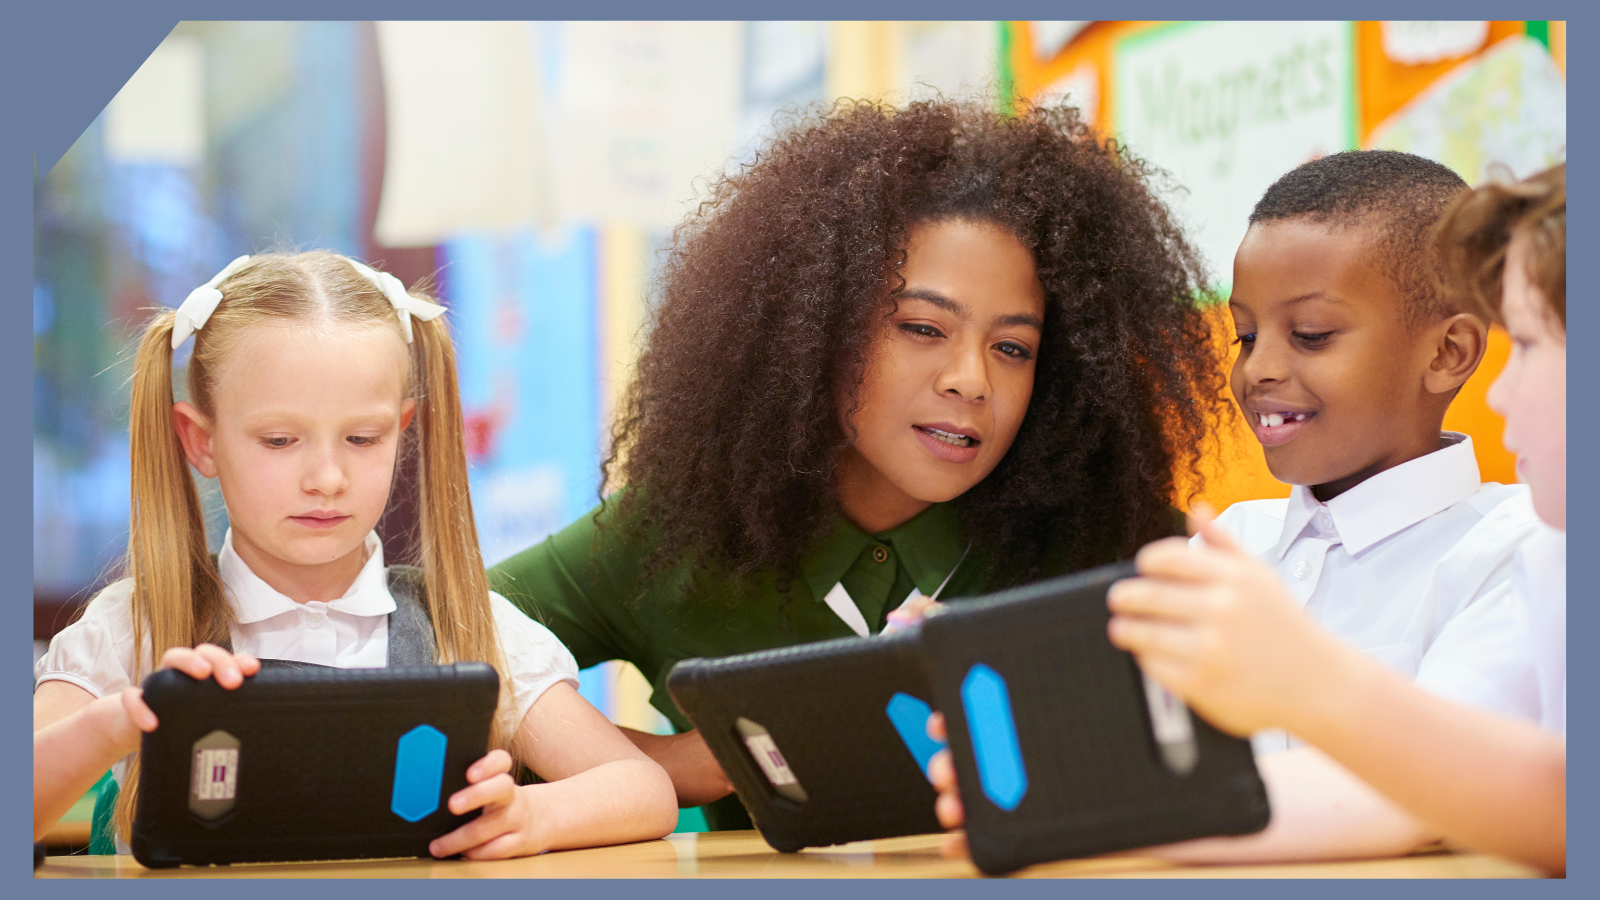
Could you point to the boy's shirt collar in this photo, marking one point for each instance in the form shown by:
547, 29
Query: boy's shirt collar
1388, 502
253, 600
928, 546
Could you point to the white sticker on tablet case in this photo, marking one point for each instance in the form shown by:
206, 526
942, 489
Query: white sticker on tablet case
770, 759
216, 774
772, 763
214, 778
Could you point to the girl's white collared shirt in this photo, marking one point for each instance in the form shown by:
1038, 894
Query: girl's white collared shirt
352, 632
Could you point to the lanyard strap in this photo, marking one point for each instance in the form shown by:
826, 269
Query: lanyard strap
843, 606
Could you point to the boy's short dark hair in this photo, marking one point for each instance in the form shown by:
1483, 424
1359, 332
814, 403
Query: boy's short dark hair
1400, 195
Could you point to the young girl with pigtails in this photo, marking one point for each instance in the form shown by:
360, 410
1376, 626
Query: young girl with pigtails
310, 374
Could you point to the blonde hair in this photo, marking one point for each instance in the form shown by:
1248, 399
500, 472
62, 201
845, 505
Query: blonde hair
177, 596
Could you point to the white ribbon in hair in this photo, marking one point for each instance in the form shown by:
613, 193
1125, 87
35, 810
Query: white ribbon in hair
201, 303
203, 300
404, 304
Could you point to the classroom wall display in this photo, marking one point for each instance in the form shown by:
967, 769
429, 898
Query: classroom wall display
524, 320
950, 59
1469, 94
785, 67
1507, 107
465, 129
1228, 107
644, 111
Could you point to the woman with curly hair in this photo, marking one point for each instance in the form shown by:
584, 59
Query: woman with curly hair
930, 350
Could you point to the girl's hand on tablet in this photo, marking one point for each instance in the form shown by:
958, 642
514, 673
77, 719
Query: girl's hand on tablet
506, 827
211, 661
125, 716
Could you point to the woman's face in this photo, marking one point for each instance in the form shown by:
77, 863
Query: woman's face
949, 373
1531, 391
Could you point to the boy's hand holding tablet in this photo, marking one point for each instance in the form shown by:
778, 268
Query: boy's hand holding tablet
1215, 624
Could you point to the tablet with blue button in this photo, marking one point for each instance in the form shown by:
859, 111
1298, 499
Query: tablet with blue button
308, 763
825, 743
1062, 747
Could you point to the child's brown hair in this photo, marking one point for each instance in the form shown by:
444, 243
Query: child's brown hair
177, 598
1474, 235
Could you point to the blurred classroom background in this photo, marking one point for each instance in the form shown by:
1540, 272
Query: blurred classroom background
532, 172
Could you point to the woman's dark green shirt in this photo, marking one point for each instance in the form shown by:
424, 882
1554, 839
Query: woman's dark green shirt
584, 583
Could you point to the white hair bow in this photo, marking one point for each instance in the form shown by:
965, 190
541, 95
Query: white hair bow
404, 304
203, 300
201, 303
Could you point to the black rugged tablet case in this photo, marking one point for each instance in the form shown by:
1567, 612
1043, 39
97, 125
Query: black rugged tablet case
325, 763
825, 706
1090, 778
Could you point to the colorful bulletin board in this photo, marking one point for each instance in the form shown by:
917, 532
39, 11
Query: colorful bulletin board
1468, 94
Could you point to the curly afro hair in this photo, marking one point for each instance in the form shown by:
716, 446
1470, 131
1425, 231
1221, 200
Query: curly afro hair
729, 435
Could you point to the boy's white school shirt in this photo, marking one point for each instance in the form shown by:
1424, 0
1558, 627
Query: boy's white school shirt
352, 632
1412, 567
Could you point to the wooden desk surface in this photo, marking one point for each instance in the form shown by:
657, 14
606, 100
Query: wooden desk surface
743, 854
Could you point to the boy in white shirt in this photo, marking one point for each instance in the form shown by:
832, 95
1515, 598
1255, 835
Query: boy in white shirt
1350, 353
1212, 624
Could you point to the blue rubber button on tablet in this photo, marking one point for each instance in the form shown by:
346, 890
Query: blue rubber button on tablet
910, 718
418, 773
987, 704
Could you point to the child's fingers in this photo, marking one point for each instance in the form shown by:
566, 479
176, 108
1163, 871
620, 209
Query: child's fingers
187, 661
495, 762
1149, 598
503, 847
485, 828
936, 729
248, 664
139, 712
954, 846
481, 830
947, 807
495, 789
910, 613
1174, 559
224, 667
1147, 637
1203, 521
1175, 677
942, 772
1199, 513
